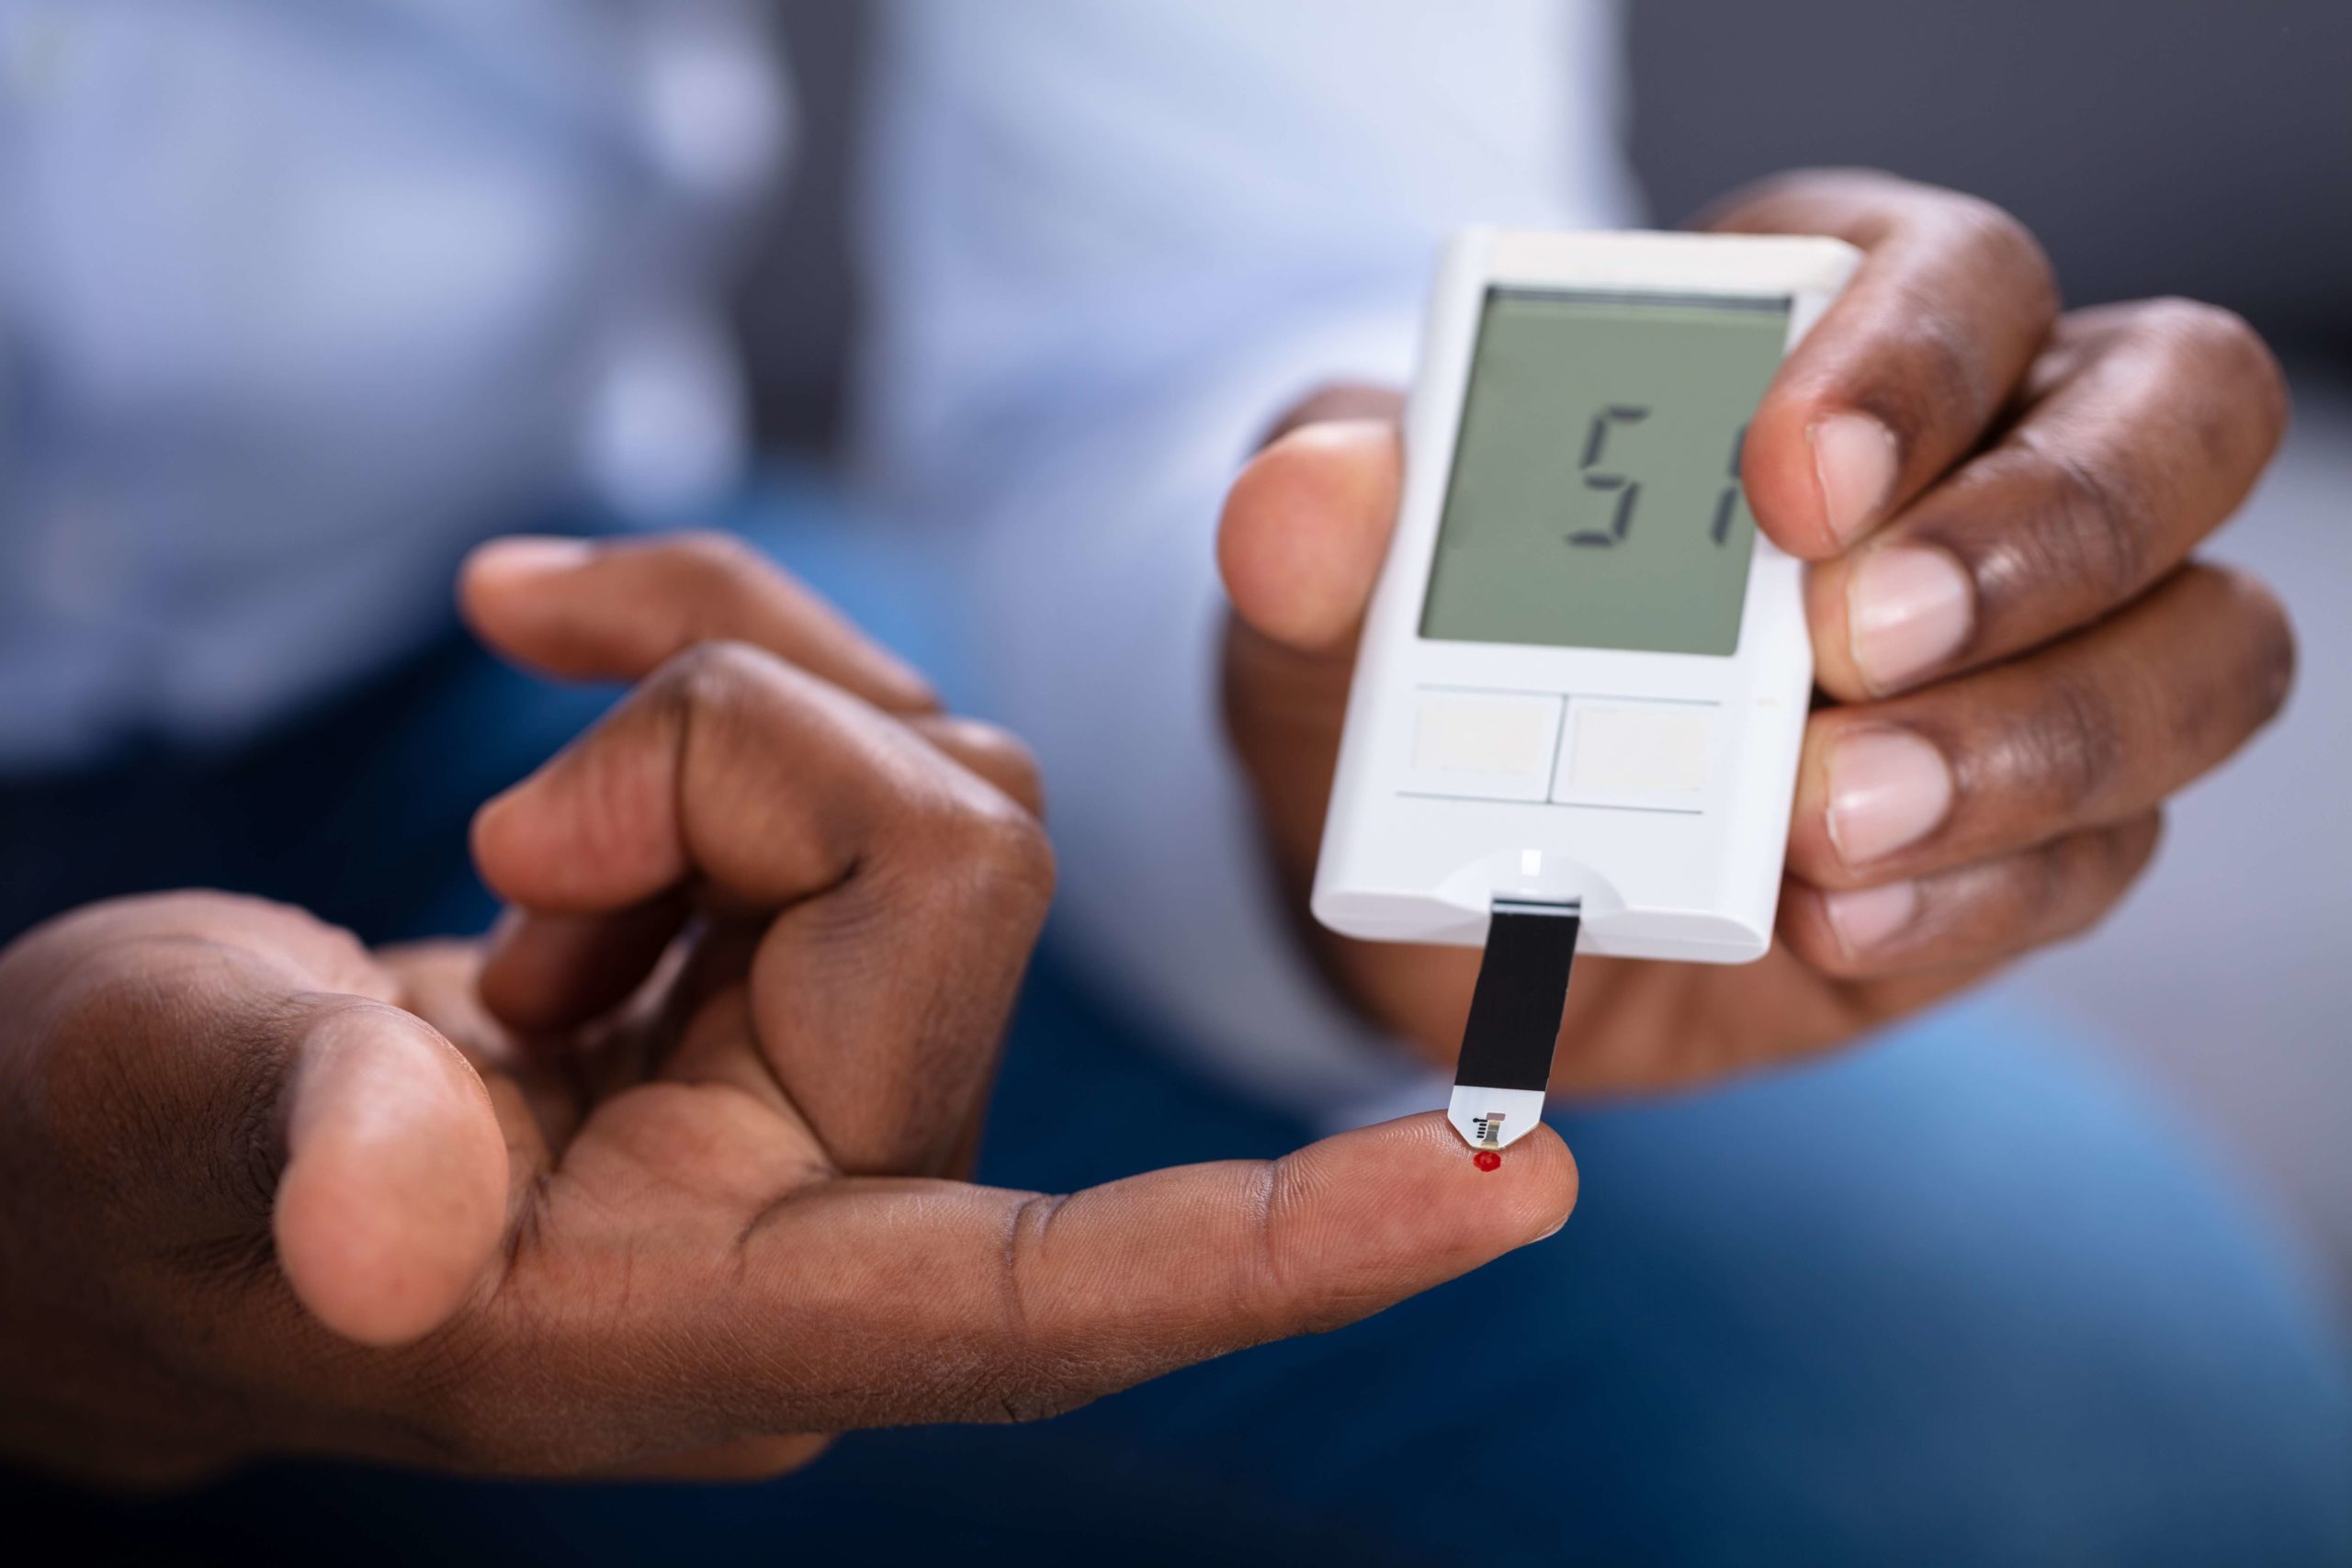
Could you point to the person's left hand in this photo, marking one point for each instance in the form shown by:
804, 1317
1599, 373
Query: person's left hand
2022, 660
669, 1177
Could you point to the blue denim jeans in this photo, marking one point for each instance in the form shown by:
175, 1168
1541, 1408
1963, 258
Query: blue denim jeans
1959, 1296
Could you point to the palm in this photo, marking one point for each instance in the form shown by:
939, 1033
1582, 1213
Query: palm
644, 1173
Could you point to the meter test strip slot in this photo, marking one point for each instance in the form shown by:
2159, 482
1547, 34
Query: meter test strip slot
1584, 676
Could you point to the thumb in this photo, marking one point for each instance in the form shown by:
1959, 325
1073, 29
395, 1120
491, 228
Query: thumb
393, 1197
1306, 529
1305, 532
218, 1064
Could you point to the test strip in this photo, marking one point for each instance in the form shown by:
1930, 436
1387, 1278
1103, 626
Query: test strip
1514, 1022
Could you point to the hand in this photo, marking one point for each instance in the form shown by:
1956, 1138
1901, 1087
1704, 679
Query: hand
664, 1178
2022, 661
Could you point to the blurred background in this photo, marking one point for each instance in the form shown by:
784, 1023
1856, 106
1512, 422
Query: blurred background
2156, 147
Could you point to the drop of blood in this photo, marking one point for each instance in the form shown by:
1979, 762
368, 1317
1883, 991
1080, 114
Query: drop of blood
1487, 1159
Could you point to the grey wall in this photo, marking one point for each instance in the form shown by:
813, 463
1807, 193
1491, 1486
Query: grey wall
2200, 147
2158, 146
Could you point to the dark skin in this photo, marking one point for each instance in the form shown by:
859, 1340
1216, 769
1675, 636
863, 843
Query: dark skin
667, 1178
2060, 664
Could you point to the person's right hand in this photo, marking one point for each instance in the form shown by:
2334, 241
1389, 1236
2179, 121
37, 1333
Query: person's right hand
2021, 653
665, 1177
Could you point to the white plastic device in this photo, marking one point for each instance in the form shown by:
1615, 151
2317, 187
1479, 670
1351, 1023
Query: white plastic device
1584, 675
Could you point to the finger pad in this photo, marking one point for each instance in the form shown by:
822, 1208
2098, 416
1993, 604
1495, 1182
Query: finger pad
1406, 1203
1779, 473
1306, 529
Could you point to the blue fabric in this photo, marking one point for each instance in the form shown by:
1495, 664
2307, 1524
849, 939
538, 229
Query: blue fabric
1961, 1297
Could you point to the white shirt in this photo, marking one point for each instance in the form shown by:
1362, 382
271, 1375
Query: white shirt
372, 278
1112, 243
299, 298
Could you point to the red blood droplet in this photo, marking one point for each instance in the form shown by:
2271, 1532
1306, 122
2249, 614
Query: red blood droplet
1487, 1159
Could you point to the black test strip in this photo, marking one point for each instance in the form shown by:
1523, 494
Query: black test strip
1522, 989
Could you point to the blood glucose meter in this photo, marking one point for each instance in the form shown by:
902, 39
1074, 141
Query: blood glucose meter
1584, 675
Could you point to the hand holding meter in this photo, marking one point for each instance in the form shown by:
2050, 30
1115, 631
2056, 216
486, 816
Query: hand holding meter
1583, 680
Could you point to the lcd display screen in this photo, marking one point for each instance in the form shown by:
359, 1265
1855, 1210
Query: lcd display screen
1595, 499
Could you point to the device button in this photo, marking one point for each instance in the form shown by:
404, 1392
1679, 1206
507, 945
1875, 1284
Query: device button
1641, 754
1485, 745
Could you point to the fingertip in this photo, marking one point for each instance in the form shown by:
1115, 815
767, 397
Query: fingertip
1526, 1197
1443, 1215
1819, 476
1554, 1182
393, 1198
497, 575
491, 836
1307, 526
595, 829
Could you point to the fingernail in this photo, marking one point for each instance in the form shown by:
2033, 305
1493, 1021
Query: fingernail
1866, 918
1853, 458
527, 560
1908, 609
1888, 788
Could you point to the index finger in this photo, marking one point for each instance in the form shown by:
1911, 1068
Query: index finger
617, 609
931, 1302
1908, 371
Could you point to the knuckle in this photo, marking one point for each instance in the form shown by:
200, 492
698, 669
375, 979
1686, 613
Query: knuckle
2215, 343
1000, 851
1950, 373
2076, 744
1010, 763
1934, 371
716, 556
2102, 534
1919, 375
2208, 328
1030, 1380
712, 676
1264, 1300
2006, 248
